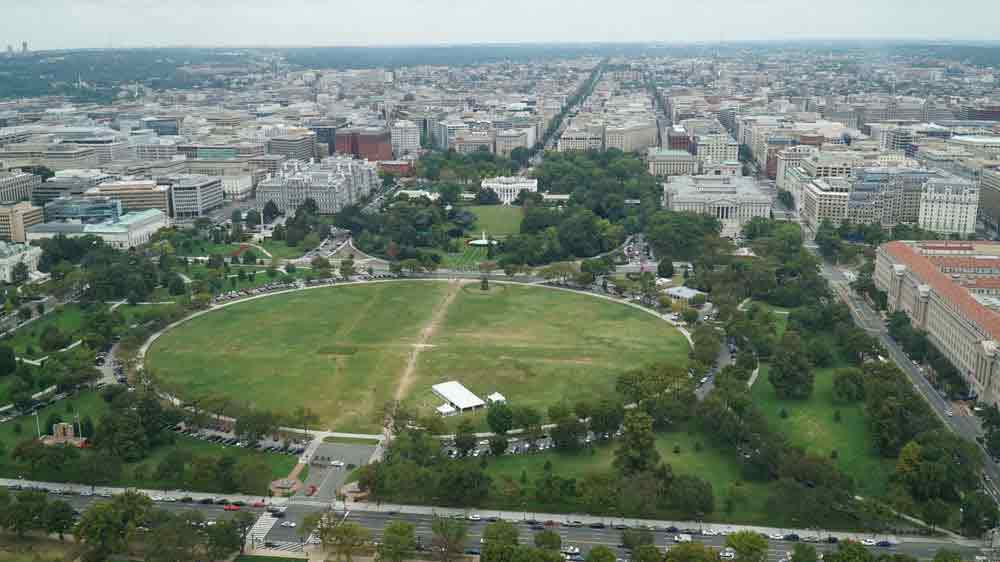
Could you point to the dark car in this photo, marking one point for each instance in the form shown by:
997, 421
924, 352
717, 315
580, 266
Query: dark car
672, 529
832, 540
597, 525
792, 537
883, 544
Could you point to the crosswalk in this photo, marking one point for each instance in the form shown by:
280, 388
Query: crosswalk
284, 546
261, 528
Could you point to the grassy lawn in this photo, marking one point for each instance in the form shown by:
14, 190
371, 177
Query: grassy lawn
715, 465
498, 220
4, 389
68, 319
343, 351
91, 404
467, 260
36, 549
538, 346
810, 424
282, 250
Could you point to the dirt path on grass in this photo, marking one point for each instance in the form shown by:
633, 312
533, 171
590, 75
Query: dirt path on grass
426, 334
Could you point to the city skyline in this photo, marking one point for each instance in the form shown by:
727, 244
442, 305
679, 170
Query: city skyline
66, 24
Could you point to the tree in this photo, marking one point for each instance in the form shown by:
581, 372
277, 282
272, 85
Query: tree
222, 540
176, 285
665, 268
548, 540
804, 553
270, 212
348, 537
606, 417
53, 338
647, 553
242, 522
692, 552
109, 527
791, 374
749, 546
600, 553
498, 445
936, 512
979, 513
449, 537
253, 218
254, 425
500, 542
487, 196
637, 449
465, 437
500, 417
8, 362
173, 539
848, 385
398, 542
20, 273
691, 495
253, 475
347, 268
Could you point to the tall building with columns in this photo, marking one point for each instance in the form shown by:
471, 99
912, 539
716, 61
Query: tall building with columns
734, 200
950, 291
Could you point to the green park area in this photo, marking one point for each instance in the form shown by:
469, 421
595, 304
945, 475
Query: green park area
281, 249
813, 425
344, 352
687, 451
26, 341
496, 220
140, 474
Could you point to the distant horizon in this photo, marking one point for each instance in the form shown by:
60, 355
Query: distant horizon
96, 24
568, 43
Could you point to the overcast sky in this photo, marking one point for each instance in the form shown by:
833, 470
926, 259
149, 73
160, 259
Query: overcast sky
57, 24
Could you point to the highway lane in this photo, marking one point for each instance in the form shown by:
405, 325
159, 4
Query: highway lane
584, 537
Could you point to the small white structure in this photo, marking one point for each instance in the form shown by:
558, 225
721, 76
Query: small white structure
683, 293
484, 241
445, 410
496, 398
457, 396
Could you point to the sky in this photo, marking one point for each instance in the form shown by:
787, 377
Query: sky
62, 24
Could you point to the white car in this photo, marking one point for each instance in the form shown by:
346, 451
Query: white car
474, 517
949, 413
157, 498
710, 532
776, 537
289, 524
337, 464
869, 542
727, 554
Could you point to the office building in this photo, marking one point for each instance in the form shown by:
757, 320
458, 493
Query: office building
508, 188
17, 186
13, 254
949, 291
948, 205
54, 156
405, 136
82, 209
68, 182
509, 139
129, 231
193, 195
14, 219
716, 148
294, 145
665, 162
732, 200
334, 183
368, 143
135, 195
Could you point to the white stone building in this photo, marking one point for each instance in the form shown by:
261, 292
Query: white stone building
664, 162
405, 137
334, 183
732, 200
948, 205
508, 187
13, 254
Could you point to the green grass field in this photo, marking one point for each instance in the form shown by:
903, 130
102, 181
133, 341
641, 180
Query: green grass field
498, 220
282, 250
343, 351
68, 319
467, 260
715, 465
810, 424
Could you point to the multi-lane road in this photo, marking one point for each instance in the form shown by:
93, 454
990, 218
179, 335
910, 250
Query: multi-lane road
584, 537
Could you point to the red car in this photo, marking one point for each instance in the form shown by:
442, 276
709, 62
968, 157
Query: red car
258, 503
231, 507
311, 490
